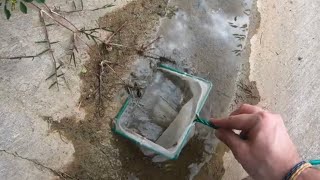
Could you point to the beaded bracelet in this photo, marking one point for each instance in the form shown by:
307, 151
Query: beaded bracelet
297, 170
300, 170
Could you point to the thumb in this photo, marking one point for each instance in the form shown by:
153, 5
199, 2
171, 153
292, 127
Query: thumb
232, 140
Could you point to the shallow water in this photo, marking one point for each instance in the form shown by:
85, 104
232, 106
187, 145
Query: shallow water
206, 38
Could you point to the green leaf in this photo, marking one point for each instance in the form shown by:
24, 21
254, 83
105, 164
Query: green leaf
7, 12
23, 8
28, 1
40, 1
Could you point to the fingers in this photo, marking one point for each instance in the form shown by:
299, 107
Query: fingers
240, 122
246, 109
232, 140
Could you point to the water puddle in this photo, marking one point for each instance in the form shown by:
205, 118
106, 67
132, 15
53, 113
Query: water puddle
208, 36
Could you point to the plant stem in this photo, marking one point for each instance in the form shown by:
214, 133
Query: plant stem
49, 46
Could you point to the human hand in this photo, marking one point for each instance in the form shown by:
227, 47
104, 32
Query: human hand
263, 148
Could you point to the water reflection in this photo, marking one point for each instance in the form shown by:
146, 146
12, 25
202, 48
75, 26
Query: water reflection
207, 37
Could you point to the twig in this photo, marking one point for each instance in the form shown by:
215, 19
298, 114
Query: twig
69, 12
103, 7
73, 49
52, 12
102, 63
101, 72
83, 41
103, 28
24, 57
50, 50
114, 33
65, 19
82, 9
55, 13
51, 17
144, 48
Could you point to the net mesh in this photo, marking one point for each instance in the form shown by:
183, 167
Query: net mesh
160, 120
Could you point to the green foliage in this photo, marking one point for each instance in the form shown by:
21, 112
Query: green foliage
7, 12
12, 4
23, 8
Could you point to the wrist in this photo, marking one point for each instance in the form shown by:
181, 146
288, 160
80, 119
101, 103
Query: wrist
290, 166
295, 170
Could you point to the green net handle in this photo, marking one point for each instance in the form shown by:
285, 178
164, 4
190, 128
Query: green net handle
315, 162
206, 122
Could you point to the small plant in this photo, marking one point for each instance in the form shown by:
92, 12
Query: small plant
10, 5
53, 13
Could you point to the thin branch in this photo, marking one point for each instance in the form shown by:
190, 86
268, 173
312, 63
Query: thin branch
49, 14
25, 57
106, 63
50, 48
55, 13
143, 48
103, 7
149, 44
51, 17
83, 41
114, 33
100, 103
82, 9
97, 28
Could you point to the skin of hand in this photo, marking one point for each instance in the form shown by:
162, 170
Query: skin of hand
310, 173
263, 148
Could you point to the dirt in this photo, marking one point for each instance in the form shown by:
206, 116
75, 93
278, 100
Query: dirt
214, 168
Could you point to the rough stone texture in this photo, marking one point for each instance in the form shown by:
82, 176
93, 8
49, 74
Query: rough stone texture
284, 63
286, 67
25, 97
233, 170
27, 170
